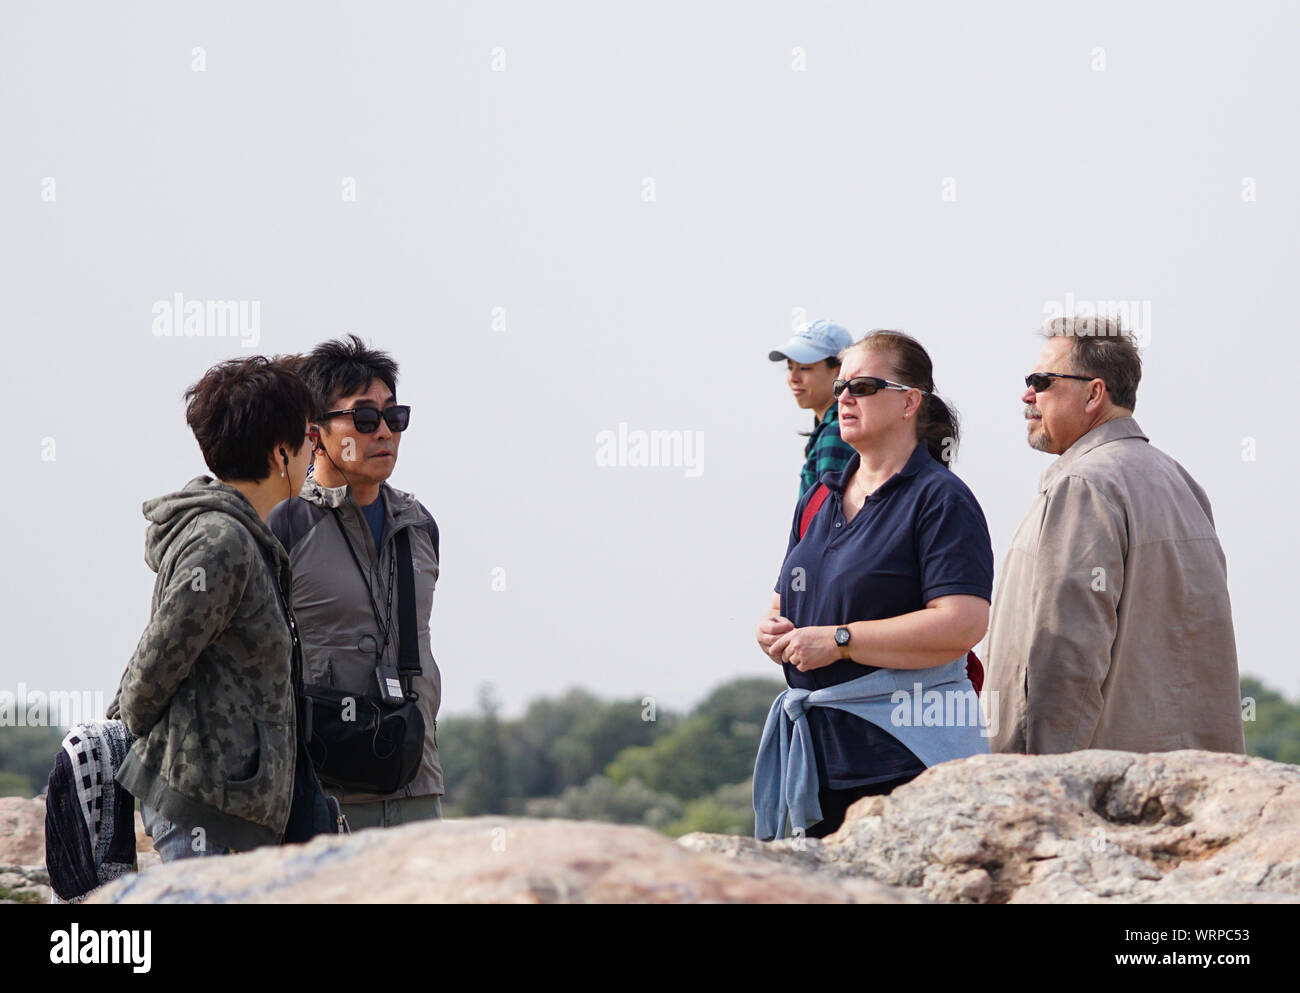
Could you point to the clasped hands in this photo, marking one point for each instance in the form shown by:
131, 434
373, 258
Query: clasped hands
804, 648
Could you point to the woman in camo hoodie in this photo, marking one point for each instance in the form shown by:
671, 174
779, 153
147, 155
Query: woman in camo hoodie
209, 691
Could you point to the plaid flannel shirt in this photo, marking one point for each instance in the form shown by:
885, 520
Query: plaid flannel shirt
826, 451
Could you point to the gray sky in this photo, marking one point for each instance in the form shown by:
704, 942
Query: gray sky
948, 168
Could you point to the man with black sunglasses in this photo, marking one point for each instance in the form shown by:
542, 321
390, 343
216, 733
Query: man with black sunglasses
365, 563
1111, 625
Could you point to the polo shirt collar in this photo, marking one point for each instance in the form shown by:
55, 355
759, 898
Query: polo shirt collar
1116, 430
917, 461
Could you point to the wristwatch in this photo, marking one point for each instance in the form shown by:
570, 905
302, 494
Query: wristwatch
842, 639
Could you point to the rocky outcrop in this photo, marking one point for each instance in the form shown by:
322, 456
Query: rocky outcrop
1184, 827
1086, 827
490, 860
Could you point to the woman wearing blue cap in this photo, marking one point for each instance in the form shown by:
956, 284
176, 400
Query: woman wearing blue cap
812, 362
885, 587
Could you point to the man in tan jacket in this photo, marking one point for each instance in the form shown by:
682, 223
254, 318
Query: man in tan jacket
1111, 626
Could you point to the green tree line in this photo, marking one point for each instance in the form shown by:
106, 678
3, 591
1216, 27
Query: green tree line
622, 761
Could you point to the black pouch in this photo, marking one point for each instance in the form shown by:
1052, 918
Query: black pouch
358, 743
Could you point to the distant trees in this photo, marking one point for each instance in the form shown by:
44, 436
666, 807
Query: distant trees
581, 757
714, 747
26, 757
492, 766
1275, 731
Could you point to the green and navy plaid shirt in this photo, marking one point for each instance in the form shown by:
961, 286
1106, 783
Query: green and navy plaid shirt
826, 450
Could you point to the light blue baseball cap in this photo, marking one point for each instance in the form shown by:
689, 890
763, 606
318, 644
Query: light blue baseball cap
819, 340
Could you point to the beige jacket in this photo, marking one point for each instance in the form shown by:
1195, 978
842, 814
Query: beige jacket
1111, 626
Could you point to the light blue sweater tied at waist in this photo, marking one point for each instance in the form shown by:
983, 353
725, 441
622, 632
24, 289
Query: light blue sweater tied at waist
934, 712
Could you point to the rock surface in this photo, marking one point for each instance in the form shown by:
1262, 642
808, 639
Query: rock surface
1085, 827
489, 860
22, 830
1090, 827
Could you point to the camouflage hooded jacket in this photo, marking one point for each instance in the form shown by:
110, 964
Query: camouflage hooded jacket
209, 690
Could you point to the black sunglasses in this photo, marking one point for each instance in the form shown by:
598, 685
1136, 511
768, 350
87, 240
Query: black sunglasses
366, 419
864, 386
1039, 381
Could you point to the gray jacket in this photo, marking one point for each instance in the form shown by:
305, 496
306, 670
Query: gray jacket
208, 692
333, 607
1111, 625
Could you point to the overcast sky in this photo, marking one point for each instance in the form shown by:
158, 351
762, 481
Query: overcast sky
563, 217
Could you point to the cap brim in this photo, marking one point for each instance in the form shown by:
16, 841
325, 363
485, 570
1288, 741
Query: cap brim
799, 351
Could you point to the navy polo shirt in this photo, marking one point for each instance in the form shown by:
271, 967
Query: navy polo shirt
919, 536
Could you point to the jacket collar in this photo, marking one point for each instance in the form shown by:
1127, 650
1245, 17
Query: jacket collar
1116, 430
402, 507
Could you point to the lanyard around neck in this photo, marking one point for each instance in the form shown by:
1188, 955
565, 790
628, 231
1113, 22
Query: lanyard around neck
384, 626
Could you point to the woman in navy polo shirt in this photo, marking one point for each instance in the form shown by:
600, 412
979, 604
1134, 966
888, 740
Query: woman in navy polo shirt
887, 591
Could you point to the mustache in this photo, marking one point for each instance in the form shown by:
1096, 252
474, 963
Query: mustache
1032, 414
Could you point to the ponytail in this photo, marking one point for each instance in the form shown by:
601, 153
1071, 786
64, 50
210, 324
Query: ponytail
938, 428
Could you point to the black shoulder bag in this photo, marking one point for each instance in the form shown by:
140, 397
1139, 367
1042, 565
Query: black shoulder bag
373, 743
311, 810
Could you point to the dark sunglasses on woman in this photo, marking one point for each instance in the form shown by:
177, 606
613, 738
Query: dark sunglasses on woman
366, 419
864, 386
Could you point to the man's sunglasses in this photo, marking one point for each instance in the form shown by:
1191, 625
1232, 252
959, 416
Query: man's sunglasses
864, 386
366, 419
1039, 381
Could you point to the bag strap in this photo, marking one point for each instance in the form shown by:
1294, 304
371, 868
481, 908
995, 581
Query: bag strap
810, 511
302, 711
408, 648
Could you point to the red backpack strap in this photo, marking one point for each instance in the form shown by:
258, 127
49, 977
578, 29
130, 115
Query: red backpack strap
810, 511
975, 671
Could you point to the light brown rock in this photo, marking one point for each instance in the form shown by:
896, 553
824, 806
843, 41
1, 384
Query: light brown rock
22, 830
489, 860
1085, 827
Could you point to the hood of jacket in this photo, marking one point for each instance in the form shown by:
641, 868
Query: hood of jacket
169, 514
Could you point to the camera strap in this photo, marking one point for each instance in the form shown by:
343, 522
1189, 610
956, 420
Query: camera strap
384, 623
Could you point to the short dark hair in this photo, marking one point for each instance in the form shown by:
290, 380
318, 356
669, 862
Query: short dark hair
343, 366
1102, 349
242, 410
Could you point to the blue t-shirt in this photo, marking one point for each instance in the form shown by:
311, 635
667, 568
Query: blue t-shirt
919, 536
374, 515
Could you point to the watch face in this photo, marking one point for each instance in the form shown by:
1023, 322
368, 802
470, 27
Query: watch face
841, 636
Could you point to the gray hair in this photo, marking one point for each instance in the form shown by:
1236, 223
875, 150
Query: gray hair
1102, 349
